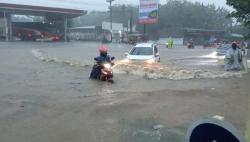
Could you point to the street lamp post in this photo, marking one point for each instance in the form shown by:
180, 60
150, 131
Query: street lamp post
110, 5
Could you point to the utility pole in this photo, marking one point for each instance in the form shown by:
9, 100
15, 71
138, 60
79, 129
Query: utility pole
110, 6
66, 28
131, 21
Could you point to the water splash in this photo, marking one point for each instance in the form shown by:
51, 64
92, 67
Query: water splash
171, 72
147, 71
43, 56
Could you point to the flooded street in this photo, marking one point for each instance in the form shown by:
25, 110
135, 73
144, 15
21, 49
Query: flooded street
46, 94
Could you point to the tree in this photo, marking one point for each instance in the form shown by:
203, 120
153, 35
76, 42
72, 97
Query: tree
242, 11
179, 14
174, 16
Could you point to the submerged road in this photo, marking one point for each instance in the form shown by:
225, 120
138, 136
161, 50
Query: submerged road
46, 94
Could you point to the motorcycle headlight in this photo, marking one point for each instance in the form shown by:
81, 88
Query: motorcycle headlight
107, 66
150, 61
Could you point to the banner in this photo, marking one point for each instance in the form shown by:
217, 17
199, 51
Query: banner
148, 12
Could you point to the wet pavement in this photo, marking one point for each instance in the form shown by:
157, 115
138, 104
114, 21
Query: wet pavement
46, 94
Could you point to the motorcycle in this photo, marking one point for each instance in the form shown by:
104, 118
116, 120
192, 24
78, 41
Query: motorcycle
190, 46
107, 72
103, 71
166, 45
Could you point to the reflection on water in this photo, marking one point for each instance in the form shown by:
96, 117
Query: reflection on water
212, 55
142, 130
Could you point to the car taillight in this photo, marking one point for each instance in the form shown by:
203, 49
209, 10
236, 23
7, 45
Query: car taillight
29, 34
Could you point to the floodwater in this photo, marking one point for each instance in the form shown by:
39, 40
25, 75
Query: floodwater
46, 94
176, 64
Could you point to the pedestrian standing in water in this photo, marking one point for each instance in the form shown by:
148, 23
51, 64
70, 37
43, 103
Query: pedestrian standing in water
234, 59
248, 50
170, 42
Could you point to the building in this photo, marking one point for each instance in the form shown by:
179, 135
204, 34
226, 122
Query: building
98, 33
117, 31
52, 13
201, 36
86, 33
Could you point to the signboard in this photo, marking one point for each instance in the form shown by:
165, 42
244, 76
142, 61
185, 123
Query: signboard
148, 11
115, 26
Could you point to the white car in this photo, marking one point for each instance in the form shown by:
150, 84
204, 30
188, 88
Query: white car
146, 52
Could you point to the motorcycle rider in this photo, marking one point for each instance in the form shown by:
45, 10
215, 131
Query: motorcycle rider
248, 50
103, 57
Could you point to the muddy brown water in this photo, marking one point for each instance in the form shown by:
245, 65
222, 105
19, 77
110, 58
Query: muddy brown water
46, 94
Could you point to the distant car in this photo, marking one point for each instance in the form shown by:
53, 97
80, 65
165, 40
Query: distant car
145, 52
223, 50
51, 36
26, 33
136, 38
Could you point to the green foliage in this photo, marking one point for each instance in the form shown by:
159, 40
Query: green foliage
179, 14
242, 10
173, 16
121, 14
91, 19
124, 14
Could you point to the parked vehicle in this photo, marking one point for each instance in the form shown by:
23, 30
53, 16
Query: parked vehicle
26, 34
50, 36
136, 38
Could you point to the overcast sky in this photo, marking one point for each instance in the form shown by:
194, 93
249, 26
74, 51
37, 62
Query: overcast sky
95, 4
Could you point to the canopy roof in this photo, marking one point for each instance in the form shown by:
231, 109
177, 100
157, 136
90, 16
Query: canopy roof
41, 7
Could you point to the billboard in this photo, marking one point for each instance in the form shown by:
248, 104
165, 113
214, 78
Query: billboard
115, 26
148, 11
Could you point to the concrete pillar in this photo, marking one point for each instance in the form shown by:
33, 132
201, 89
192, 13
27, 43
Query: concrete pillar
65, 28
10, 29
8, 26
